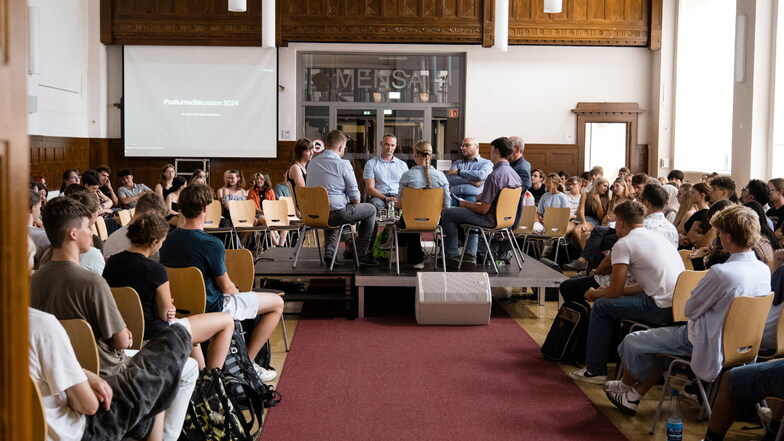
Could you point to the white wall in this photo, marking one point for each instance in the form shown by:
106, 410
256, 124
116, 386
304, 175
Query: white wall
528, 91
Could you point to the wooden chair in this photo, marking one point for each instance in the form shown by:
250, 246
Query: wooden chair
778, 351
188, 290
741, 336
40, 429
505, 212
276, 216
243, 215
132, 210
124, 217
421, 210
556, 223
130, 307
83, 341
314, 205
527, 221
212, 223
686, 257
100, 225
239, 267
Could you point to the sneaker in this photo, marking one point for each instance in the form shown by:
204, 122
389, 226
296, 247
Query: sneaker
587, 377
420, 265
576, 265
388, 245
367, 260
616, 387
453, 262
624, 402
548, 250
328, 262
265, 374
469, 261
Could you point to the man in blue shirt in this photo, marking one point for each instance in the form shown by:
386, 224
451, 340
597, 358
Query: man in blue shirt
331, 171
523, 169
467, 175
382, 173
481, 212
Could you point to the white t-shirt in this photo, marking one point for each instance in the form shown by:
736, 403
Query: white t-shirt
92, 261
574, 203
653, 263
54, 368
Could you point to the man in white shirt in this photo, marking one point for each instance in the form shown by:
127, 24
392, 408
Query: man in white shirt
382, 173
737, 228
653, 263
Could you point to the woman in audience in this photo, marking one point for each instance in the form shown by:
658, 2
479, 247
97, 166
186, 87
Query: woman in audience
686, 208
768, 242
620, 193
261, 191
712, 252
553, 198
421, 175
232, 190
70, 176
776, 211
178, 183
198, 177
135, 269
165, 182
699, 197
574, 191
594, 205
303, 153
672, 205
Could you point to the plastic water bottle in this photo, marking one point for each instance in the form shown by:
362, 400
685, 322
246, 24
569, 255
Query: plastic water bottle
391, 209
674, 419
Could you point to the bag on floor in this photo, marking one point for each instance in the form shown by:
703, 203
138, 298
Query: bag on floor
565, 343
215, 414
238, 364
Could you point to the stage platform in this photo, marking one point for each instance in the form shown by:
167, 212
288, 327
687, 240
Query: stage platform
277, 263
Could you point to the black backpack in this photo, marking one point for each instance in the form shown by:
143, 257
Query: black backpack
566, 340
215, 412
238, 364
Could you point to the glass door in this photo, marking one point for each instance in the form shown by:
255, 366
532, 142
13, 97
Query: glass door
408, 125
359, 125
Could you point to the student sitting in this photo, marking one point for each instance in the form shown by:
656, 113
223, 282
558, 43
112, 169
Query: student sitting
118, 241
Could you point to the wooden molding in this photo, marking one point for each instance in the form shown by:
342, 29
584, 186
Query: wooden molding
627, 113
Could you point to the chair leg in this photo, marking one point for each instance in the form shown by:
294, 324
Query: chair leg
285, 334
335, 251
513, 242
467, 233
443, 248
665, 388
397, 250
300, 242
489, 252
354, 241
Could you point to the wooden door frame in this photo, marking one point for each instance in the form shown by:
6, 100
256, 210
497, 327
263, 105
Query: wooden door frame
627, 113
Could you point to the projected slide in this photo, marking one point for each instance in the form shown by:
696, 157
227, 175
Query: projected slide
200, 102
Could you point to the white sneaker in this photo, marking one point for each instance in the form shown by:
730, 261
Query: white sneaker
265, 374
585, 376
626, 402
420, 265
616, 387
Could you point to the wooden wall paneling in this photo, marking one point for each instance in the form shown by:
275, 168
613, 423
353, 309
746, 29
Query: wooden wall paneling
552, 158
16, 410
51, 155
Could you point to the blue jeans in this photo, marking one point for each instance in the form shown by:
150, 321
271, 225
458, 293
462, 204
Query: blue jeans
451, 220
606, 314
752, 383
468, 198
639, 350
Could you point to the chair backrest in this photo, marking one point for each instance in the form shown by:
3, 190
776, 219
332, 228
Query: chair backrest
686, 282
124, 216
239, 267
506, 207
291, 207
132, 210
779, 350
242, 213
100, 225
213, 215
130, 307
188, 290
743, 327
527, 220
556, 221
40, 429
276, 213
422, 208
313, 204
686, 257
83, 341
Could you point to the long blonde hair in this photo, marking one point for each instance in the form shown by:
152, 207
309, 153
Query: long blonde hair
685, 205
627, 193
599, 203
555, 179
425, 150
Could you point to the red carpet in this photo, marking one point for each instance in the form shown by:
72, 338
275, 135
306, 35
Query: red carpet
387, 378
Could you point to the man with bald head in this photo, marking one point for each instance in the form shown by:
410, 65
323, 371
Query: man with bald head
467, 175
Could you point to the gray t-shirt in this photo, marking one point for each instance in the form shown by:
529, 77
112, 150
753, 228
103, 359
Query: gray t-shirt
67, 291
126, 192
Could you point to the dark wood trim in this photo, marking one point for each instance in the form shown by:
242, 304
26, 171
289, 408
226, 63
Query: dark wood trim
657, 9
627, 113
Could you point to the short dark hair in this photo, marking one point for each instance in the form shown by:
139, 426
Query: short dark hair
74, 188
585, 175
90, 179
675, 174
503, 146
103, 168
656, 195
146, 228
194, 199
639, 178
724, 183
335, 138
177, 182
87, 199
61, 215
33, 199
124, 172
760, 191
302, 145
630, 212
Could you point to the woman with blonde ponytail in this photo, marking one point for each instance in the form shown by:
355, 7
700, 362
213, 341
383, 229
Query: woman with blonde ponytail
422, 175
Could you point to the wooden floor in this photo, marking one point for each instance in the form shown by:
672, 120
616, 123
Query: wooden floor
536, 321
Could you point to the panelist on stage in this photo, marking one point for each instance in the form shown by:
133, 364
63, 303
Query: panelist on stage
467, 176
382, 173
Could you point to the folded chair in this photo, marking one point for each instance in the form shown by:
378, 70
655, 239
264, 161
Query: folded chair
83, 341
130, 306
421, 212
741, 336
313, 204
505, 212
